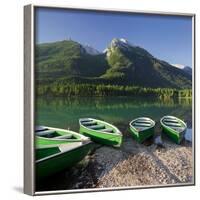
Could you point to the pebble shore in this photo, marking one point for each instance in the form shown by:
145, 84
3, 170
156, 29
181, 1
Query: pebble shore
137, 164
152, 163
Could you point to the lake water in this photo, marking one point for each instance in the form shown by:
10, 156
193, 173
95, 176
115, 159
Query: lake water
65, 112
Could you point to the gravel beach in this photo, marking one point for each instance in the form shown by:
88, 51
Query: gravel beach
137, 164
156, 162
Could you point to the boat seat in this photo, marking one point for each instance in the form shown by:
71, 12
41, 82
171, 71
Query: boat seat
141, 124
86, 120
170, 121
97, 127
40, 128
172, 124
109, 130
143, 121
67, 136
170, 118
46, 133
89, 123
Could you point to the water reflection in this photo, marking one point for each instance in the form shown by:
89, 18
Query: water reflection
65, 112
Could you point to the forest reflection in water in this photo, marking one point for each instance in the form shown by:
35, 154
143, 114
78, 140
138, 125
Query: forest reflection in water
65, 112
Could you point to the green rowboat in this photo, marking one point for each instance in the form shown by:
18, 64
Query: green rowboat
58, 149
100, 131
174, 127
142, 128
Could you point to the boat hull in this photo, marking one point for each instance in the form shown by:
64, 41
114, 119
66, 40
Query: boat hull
174, 135
102, 138
61, 161
171, 127
141, 136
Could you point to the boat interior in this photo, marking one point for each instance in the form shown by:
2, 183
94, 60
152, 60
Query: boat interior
95, 125
48, 133
173, 123
142, 124
48, 151
45, 151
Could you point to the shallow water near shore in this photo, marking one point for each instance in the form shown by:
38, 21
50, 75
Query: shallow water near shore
110, 167
65, 112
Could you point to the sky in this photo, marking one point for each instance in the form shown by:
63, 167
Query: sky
168, 38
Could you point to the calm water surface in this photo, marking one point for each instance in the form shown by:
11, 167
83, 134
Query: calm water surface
65, 112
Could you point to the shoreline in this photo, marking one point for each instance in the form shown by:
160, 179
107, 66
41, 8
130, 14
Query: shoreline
132, 165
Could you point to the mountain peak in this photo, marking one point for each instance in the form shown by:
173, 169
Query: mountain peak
120, 43
116, 42
125, 46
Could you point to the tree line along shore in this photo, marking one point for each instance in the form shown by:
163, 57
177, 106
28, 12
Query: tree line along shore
56, 89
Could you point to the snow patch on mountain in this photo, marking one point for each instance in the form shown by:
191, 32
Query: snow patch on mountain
105, 50
118, 43
185, 68
180, 66
123, 43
